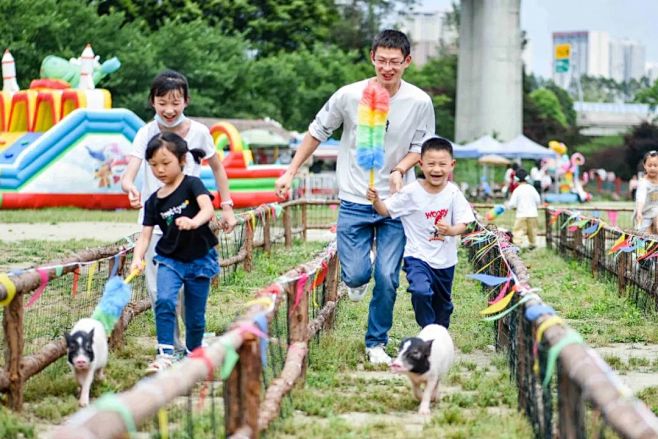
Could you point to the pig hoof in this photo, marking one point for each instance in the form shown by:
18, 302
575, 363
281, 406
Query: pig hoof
423, 411
83, 403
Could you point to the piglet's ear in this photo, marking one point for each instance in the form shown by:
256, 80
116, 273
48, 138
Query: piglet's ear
428, 346
91, 334
67, 336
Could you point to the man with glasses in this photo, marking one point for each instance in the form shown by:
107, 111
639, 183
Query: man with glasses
360, 229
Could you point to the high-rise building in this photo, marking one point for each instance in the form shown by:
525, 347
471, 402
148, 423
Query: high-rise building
627, 60
651, 71
428, 32
580, 53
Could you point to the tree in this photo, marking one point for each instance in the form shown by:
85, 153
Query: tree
360, 20
270, 25
438, 77
642, 139
648, 96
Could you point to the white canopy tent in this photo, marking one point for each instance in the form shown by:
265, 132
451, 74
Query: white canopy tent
525, 148
518, 148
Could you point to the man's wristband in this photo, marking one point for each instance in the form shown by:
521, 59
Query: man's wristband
226, 203
398, 169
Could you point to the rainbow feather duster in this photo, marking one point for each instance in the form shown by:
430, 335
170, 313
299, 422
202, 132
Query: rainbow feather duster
371, 128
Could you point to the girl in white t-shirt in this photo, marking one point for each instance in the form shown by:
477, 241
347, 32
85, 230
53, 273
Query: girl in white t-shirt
646, 198
169, 95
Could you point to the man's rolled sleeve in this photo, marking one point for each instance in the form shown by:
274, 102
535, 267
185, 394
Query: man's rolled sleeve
328, 119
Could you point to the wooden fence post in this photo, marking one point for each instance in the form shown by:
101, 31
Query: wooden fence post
622, 266
304, 220
12, 325
298, 319
249, 247
549, 228
577, 241
331, 290
287, 227
250, 380
598, 247
232, 402
562, 241
267, 233
570, 406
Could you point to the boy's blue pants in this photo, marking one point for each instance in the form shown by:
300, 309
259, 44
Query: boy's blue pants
430, 290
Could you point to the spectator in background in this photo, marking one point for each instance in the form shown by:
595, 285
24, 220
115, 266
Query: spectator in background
632, 186
509, 183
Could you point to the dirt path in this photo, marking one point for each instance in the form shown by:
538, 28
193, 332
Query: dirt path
103, 231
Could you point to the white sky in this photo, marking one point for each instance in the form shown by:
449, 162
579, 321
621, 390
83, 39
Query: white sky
622, 19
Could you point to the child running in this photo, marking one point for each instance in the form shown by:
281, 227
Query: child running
169, 96
185, 254
646, 197
525, 199
433, 212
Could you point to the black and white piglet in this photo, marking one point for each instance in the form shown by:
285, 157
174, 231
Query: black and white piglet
425, 359
87, 354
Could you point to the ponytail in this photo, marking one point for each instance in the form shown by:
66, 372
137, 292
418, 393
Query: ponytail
197, 154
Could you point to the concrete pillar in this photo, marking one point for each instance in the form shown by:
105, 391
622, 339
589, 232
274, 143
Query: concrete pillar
489, 75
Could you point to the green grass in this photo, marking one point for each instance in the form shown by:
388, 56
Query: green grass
66, 214
345, 397
50, 396
592, 307
30, 253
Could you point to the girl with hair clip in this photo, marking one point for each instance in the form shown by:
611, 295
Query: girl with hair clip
185, 254
646, 198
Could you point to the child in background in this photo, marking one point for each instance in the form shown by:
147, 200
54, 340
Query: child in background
525, 199
433, 212
185, 254
169, 96
646, 202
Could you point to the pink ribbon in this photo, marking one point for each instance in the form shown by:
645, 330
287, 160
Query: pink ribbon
43, 274
612, 217
301, 283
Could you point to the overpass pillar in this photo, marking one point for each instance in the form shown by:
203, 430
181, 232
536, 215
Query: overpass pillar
489, 71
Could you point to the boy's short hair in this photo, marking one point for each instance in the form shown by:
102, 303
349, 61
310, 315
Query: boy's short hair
392, 39
521, 174
436, 144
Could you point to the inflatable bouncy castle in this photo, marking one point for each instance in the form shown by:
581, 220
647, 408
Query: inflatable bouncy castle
61, 143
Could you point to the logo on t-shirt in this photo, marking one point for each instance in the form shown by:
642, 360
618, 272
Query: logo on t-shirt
169, 214
438, 215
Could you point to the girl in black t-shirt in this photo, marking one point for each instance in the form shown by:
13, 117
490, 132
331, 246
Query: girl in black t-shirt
185, 255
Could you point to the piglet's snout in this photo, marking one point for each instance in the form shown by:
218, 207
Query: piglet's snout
396, 366
81, 362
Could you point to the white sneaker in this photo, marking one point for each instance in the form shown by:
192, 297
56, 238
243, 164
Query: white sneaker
377, 355
358, 293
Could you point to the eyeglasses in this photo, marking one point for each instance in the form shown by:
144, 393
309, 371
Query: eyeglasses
389, 62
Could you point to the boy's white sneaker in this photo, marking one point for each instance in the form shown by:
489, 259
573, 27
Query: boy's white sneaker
377, 355
358, 293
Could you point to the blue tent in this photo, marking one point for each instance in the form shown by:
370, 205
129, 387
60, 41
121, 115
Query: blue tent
518, 148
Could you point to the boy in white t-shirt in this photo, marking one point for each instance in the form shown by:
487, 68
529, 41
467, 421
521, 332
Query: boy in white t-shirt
433, 212
525, 199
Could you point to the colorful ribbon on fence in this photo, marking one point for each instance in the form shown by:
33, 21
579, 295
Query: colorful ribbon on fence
90, 276
76, 278
10, 288
230, 359
43, 274
572, 337
111, 402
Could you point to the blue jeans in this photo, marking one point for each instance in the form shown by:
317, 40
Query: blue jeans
195, 277
430, 290
358, 225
